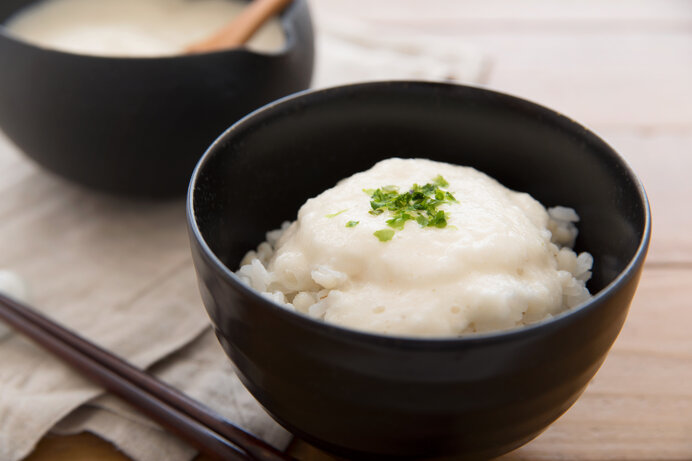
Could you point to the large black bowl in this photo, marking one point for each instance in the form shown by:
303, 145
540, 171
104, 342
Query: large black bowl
137, 126
372, 396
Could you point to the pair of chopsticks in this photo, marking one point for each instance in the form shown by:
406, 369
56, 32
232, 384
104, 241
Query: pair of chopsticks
202, 428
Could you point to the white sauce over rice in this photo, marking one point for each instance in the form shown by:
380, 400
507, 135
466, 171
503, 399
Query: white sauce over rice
502, 261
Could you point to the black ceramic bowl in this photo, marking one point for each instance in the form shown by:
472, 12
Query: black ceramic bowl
137, 126
371, 396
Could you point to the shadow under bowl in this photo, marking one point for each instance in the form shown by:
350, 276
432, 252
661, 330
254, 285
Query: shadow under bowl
370, 396
136, 126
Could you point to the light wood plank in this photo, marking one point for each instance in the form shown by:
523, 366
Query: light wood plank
602, 80
543, 13
82, 447
661, 161
600, 73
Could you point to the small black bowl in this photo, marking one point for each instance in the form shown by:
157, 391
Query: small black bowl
136, 126
371, 396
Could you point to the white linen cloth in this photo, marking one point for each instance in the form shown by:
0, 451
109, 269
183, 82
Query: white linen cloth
38, 394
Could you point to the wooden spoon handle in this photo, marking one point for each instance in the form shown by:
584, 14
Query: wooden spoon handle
241, 28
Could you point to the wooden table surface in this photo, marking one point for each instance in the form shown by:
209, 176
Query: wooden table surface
623, 68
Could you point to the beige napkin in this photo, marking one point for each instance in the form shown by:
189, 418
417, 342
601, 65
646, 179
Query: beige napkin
165, 328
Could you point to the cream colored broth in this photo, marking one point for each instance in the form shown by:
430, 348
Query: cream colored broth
133, 27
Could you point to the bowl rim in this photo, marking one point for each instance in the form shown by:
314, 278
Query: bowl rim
410, 341
286, 18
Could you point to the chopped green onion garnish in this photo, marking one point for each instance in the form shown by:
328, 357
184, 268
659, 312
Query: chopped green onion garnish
352, 223
420, 203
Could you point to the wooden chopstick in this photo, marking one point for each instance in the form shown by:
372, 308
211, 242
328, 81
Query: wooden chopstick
198, 425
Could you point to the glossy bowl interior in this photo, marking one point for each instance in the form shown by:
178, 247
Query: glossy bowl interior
137, 126
370, 396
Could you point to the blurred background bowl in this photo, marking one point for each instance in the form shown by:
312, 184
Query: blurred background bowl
136, 126
369, 396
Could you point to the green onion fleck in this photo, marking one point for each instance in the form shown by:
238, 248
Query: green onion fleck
384, 234
439, 220
335, 214
352, 223
440, 181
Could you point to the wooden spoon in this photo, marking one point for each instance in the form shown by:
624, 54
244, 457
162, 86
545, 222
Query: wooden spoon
241, 28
